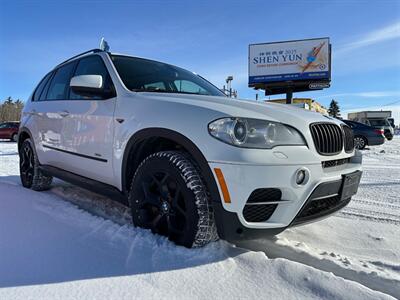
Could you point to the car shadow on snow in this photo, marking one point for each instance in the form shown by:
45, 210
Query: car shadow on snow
69, 234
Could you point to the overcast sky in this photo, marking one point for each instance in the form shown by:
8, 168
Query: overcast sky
208, 37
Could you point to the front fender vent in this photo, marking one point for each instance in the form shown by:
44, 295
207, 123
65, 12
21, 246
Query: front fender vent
261, 204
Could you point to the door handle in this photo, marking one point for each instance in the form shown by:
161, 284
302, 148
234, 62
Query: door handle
64, 113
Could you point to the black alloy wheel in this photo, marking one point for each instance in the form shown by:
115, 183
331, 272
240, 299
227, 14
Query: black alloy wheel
162, 208
168, 196
31, 175
26, 165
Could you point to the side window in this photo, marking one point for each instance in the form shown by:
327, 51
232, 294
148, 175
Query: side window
155, 86
186, 86
4, 125
40, 87
59, 86
46, 88
93, 65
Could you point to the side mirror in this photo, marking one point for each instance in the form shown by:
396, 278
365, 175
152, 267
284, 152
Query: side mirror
87, 85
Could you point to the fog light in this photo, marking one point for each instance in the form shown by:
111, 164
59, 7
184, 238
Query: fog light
300, 176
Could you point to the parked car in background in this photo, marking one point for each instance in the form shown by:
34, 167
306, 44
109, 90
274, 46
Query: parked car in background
376, 119
9, 130
391, 121
365, 135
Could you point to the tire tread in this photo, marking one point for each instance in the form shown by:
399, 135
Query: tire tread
206, 228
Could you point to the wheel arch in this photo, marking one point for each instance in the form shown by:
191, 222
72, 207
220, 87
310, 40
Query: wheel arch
23, 134
137, 144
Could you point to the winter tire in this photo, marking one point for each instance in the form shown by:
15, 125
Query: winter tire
30, 174
169, 197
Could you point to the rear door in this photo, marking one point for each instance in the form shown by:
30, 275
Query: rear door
49, 111
88, 127
36, 119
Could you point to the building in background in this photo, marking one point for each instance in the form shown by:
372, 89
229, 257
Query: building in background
306, 103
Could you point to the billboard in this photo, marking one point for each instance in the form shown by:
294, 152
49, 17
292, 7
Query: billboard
302, 60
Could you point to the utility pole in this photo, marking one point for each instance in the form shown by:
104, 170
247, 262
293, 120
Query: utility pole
289, 96
229, 85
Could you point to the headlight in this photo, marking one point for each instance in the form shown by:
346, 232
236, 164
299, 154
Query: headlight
253, 133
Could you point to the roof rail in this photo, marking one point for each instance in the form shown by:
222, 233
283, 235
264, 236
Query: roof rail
83, 53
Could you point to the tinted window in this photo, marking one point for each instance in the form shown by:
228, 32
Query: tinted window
186, 86
92, 65
140, 74
46, 88
40, 87
359, 125
155, 86
378, 122
4, 125
59, 85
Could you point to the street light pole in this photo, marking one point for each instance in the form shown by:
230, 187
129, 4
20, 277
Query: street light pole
229, 85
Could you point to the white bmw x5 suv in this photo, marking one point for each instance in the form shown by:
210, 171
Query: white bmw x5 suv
191, 163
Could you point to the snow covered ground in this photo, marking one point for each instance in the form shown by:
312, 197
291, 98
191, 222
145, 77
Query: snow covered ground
69, 243
361, 242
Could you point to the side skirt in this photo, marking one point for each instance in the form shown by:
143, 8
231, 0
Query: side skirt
86, 183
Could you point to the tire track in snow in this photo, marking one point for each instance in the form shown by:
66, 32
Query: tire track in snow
376, 203
327, 261
370, 215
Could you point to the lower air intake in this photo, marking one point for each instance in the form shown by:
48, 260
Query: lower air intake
258, 213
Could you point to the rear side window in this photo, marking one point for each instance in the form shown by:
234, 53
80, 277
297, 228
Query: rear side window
59, 86
46, 88
93, 65
40, 87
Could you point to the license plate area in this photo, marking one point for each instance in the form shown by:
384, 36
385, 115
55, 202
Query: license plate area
350, 184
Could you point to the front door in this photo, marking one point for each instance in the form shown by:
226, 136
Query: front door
88, 127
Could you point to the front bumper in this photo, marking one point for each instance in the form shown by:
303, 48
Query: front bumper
242, 180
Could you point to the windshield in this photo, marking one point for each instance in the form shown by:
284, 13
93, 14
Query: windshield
143, 75
378, 122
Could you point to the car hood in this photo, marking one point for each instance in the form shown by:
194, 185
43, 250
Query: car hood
225, 106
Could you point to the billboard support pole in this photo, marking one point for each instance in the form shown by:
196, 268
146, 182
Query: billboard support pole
289, 96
